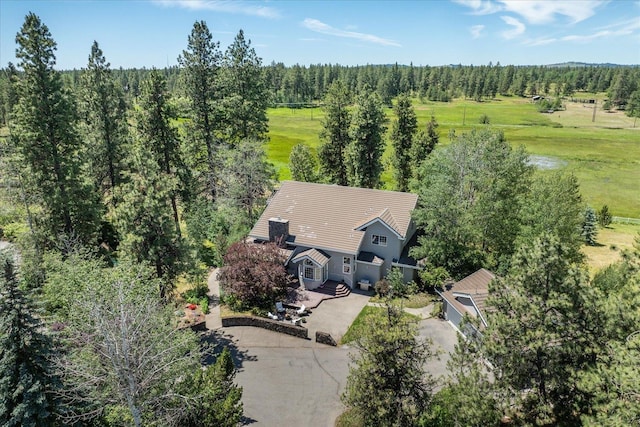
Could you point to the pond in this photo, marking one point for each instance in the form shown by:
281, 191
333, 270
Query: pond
546, 162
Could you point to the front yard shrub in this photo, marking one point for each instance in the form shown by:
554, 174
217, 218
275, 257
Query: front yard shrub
253, 275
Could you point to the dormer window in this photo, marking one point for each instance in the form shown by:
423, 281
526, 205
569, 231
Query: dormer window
380, 240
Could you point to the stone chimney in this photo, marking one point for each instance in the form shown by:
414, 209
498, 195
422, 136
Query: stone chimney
278, 230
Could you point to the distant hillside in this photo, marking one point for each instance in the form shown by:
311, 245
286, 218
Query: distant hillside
587, 64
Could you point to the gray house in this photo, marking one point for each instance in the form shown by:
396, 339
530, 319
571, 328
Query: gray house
344, 234
467, 297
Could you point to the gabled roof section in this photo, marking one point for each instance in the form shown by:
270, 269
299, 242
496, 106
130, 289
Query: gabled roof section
318, 257
386, 218
322, 216
474, 287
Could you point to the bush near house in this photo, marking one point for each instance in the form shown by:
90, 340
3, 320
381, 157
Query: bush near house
253, 276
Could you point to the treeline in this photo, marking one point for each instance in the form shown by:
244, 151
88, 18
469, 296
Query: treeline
300, 85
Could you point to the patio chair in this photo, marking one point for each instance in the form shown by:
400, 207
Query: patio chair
301, 310
280, 307
272, 316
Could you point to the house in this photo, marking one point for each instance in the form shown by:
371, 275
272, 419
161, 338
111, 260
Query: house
467, 296
344, 234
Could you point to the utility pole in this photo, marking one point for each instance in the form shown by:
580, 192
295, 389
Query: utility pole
593, 119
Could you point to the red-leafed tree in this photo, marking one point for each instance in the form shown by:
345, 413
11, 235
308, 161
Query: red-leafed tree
253, 275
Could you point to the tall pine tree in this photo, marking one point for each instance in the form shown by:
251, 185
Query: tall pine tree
201, 63
364, 152
158, 136
103, 113
43, 129
145, 222
335, 134
245, 93
402, 136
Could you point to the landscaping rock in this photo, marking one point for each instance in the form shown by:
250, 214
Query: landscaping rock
325, 338
272, 325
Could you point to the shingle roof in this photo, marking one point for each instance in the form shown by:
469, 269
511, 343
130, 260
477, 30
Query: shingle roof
385, 216
325, 216
315, 255
476, 286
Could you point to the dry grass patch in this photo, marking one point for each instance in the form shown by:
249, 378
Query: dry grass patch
226, 311
611, 242
581, 115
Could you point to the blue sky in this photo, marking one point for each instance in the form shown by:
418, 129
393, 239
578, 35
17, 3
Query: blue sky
154, 32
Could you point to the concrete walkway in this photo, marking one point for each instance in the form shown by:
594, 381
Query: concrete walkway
213, 319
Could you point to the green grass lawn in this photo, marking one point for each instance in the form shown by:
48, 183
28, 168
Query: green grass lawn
360, 322
604, 154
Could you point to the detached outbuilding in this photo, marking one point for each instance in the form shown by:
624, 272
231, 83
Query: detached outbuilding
468, 297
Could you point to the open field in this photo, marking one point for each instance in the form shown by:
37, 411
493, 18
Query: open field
611, 242
604, 155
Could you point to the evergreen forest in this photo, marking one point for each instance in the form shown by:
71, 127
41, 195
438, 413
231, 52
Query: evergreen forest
121, 188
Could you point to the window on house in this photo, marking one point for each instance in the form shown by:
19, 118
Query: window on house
379, 240
309, 273
346, 265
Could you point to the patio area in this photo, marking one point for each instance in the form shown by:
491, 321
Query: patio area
331, 289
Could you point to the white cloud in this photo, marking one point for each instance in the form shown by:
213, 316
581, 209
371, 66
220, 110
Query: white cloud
322, 28
545, 11
619, 29
536, 11
518, 27
480, 7
541, 41
476, 31
226, 6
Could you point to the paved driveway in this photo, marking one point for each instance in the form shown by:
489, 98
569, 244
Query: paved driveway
286, 381
289, 381
444, 339
336, 315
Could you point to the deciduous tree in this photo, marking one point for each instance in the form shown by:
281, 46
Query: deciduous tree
253, 275
247, 179
469, 204
553, 205
125, 355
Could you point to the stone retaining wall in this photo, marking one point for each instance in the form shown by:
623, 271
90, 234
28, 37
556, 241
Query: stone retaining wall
272, 325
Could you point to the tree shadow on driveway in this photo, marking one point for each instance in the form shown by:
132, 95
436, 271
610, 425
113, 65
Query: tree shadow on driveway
214, 341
